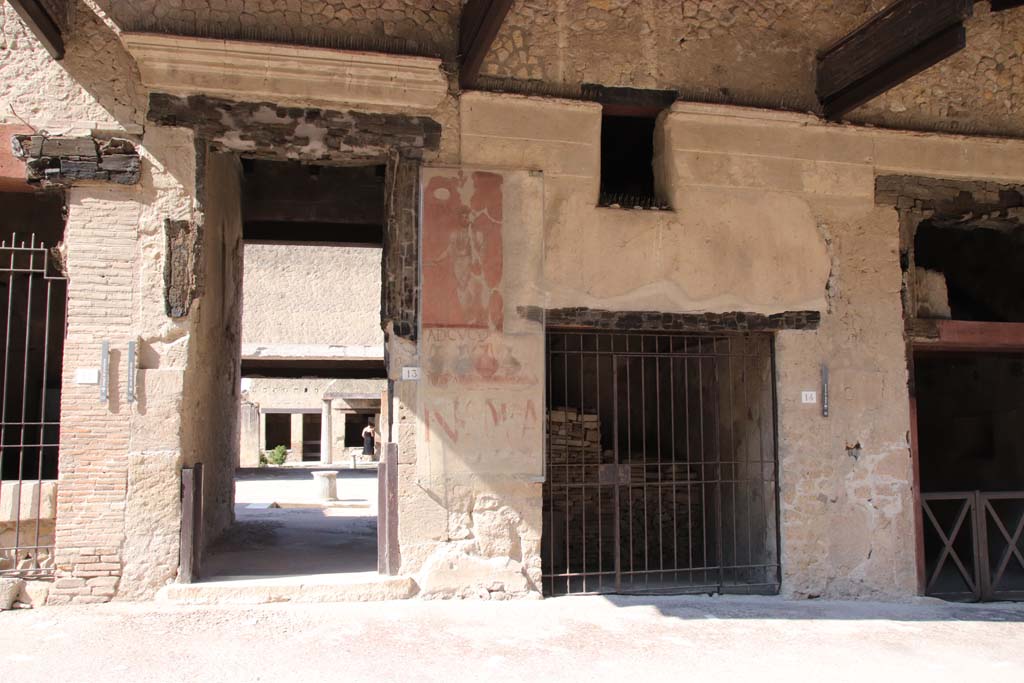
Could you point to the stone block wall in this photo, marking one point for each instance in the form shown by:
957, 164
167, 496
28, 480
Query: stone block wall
755, 53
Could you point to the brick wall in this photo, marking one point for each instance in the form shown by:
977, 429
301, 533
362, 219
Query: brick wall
100, 238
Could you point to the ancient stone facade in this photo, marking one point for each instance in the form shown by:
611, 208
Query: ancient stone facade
492, 225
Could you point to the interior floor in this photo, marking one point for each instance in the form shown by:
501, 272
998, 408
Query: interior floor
282, 528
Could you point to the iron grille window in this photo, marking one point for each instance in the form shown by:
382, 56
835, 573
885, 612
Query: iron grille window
660, 464
33, 301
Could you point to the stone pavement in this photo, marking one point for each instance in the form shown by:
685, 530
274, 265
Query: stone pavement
628, 640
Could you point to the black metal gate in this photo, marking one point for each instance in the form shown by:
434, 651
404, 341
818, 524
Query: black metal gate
33, 305
974, 545
660, 464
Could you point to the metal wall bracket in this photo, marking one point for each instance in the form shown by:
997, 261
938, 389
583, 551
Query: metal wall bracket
105, 372
131, 372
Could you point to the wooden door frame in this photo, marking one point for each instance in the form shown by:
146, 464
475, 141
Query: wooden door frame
947, 337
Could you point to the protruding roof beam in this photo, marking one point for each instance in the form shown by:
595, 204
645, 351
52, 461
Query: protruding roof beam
42, 25
478, 27
902, 40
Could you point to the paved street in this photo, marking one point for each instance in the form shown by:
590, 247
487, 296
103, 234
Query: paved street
582, 638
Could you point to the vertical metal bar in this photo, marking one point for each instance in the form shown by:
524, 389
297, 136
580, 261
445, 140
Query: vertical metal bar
675, 466
568, 449
716, 412
733, 456
6, 384
616, 495
24, 400
703, 462
775, 464
42, 409
550, 468
583, 472
754, 485
643, 441
629, 448
657, 423
600, 462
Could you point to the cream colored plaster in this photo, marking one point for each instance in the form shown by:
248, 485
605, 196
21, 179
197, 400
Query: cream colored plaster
286, 74
311, 295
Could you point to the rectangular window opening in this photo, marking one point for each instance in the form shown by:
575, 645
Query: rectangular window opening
627, 161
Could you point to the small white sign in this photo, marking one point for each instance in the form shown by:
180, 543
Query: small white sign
87, 376
808, 396
410, 372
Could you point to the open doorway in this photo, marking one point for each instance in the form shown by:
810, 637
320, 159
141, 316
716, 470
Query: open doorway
310, 341
966, 328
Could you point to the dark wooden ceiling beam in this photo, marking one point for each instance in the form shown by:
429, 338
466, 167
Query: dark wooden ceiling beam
42, 25
478, 27
902, 40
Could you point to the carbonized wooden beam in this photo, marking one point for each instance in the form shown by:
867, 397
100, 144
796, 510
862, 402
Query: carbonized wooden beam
904, 39
307, 232
478, 27
288, 368
42, 25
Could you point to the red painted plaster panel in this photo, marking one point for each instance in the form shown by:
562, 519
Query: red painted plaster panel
462, 253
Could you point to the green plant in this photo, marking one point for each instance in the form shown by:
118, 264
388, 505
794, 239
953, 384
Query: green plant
263, 459
278, 455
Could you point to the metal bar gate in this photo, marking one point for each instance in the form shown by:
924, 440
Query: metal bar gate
660, 464
974, 545
33, 307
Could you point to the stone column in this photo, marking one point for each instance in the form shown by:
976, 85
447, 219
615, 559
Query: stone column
249, 432
296, 454
325, 432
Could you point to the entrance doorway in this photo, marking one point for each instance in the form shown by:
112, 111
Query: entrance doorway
660, 464
310, 336
969, 408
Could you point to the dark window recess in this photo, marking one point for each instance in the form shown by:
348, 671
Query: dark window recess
627, 156
354, 423
279, 431
311, 436
981, 264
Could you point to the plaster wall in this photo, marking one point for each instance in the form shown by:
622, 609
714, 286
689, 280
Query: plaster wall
312, 295
772, 212
212, 381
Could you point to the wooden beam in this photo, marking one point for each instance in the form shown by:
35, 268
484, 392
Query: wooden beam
478, 27
963, 335
42, 25
325, 368
904, 39
1000, 5
305, 232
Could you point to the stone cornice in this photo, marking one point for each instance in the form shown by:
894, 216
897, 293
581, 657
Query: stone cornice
286, 74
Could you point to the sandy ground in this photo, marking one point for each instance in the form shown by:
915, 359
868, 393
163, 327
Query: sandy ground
303, 536
564, 639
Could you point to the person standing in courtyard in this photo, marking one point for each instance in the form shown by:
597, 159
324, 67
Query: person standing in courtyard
368, 437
